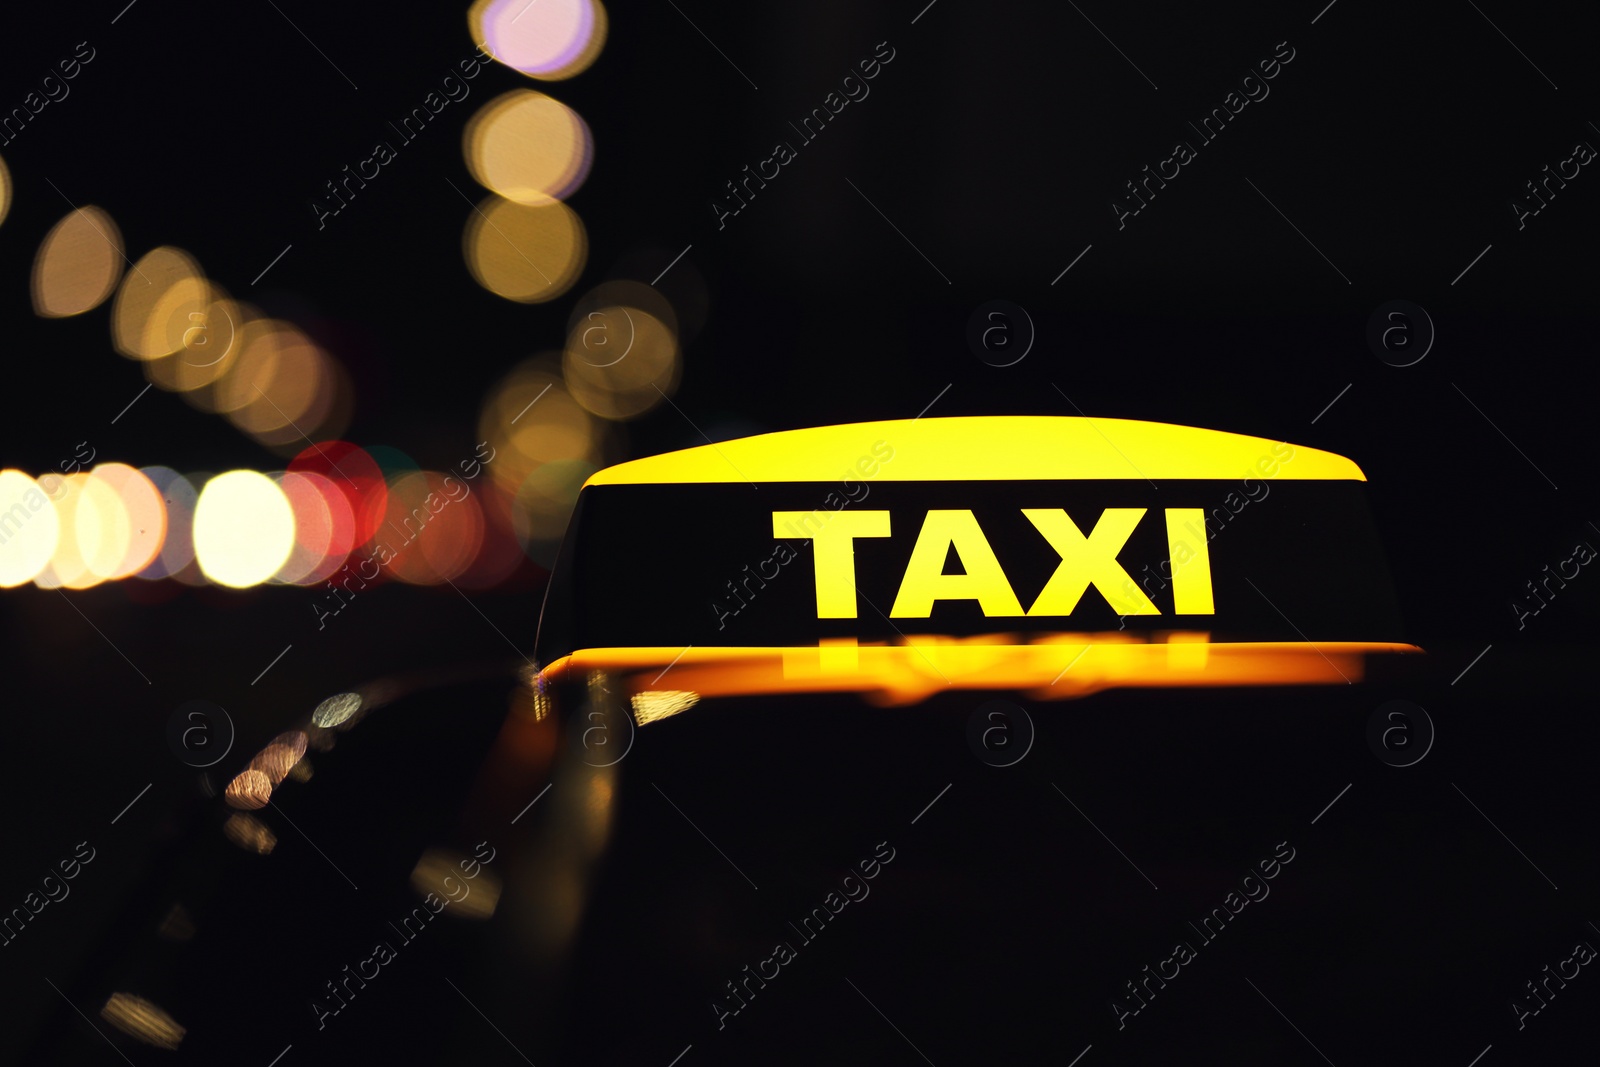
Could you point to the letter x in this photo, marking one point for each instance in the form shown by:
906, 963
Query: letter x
1087, 561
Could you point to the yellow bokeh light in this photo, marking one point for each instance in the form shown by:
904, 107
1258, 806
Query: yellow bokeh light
5, 190
65, 560
529, 253
140, 522
621, 360
467, 885
651, 705
279, 758
103, 531
30, 528
211, 346
281, 381
259, 343
249, 790
243, 529
78, 265
532, 419
94, 532
249, 833
528, 147
144, 1020
161, 299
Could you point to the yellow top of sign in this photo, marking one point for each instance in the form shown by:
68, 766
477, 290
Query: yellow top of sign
987, 448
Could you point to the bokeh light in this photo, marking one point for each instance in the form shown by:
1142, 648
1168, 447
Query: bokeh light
278, 758
622, 356
250, 790
356, 474
212, 342
5, 190
528, 147
178, 497
142, 1019
530, 418
438, 527
141, 525
471, 889
102, 529
332, 508
545, 39
265, 375
249, 833
652, 705
88, 512
243, 529
529, 253
78, 265
314, 529
30, 528
162, 298
500, 554
282, 386
336, 709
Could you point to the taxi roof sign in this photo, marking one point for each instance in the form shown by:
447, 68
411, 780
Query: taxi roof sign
1043, 554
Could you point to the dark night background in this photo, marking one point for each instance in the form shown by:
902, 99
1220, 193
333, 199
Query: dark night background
995, 141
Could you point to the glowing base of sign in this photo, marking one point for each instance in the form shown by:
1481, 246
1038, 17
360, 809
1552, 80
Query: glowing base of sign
1048, 667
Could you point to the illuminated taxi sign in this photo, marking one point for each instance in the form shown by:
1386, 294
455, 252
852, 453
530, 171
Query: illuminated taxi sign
900, 558
1085, 561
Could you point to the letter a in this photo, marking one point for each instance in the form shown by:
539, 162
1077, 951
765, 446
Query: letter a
925, 580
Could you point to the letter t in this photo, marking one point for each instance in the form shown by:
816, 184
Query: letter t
835, 554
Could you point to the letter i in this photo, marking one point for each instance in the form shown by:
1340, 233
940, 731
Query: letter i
1191, 579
